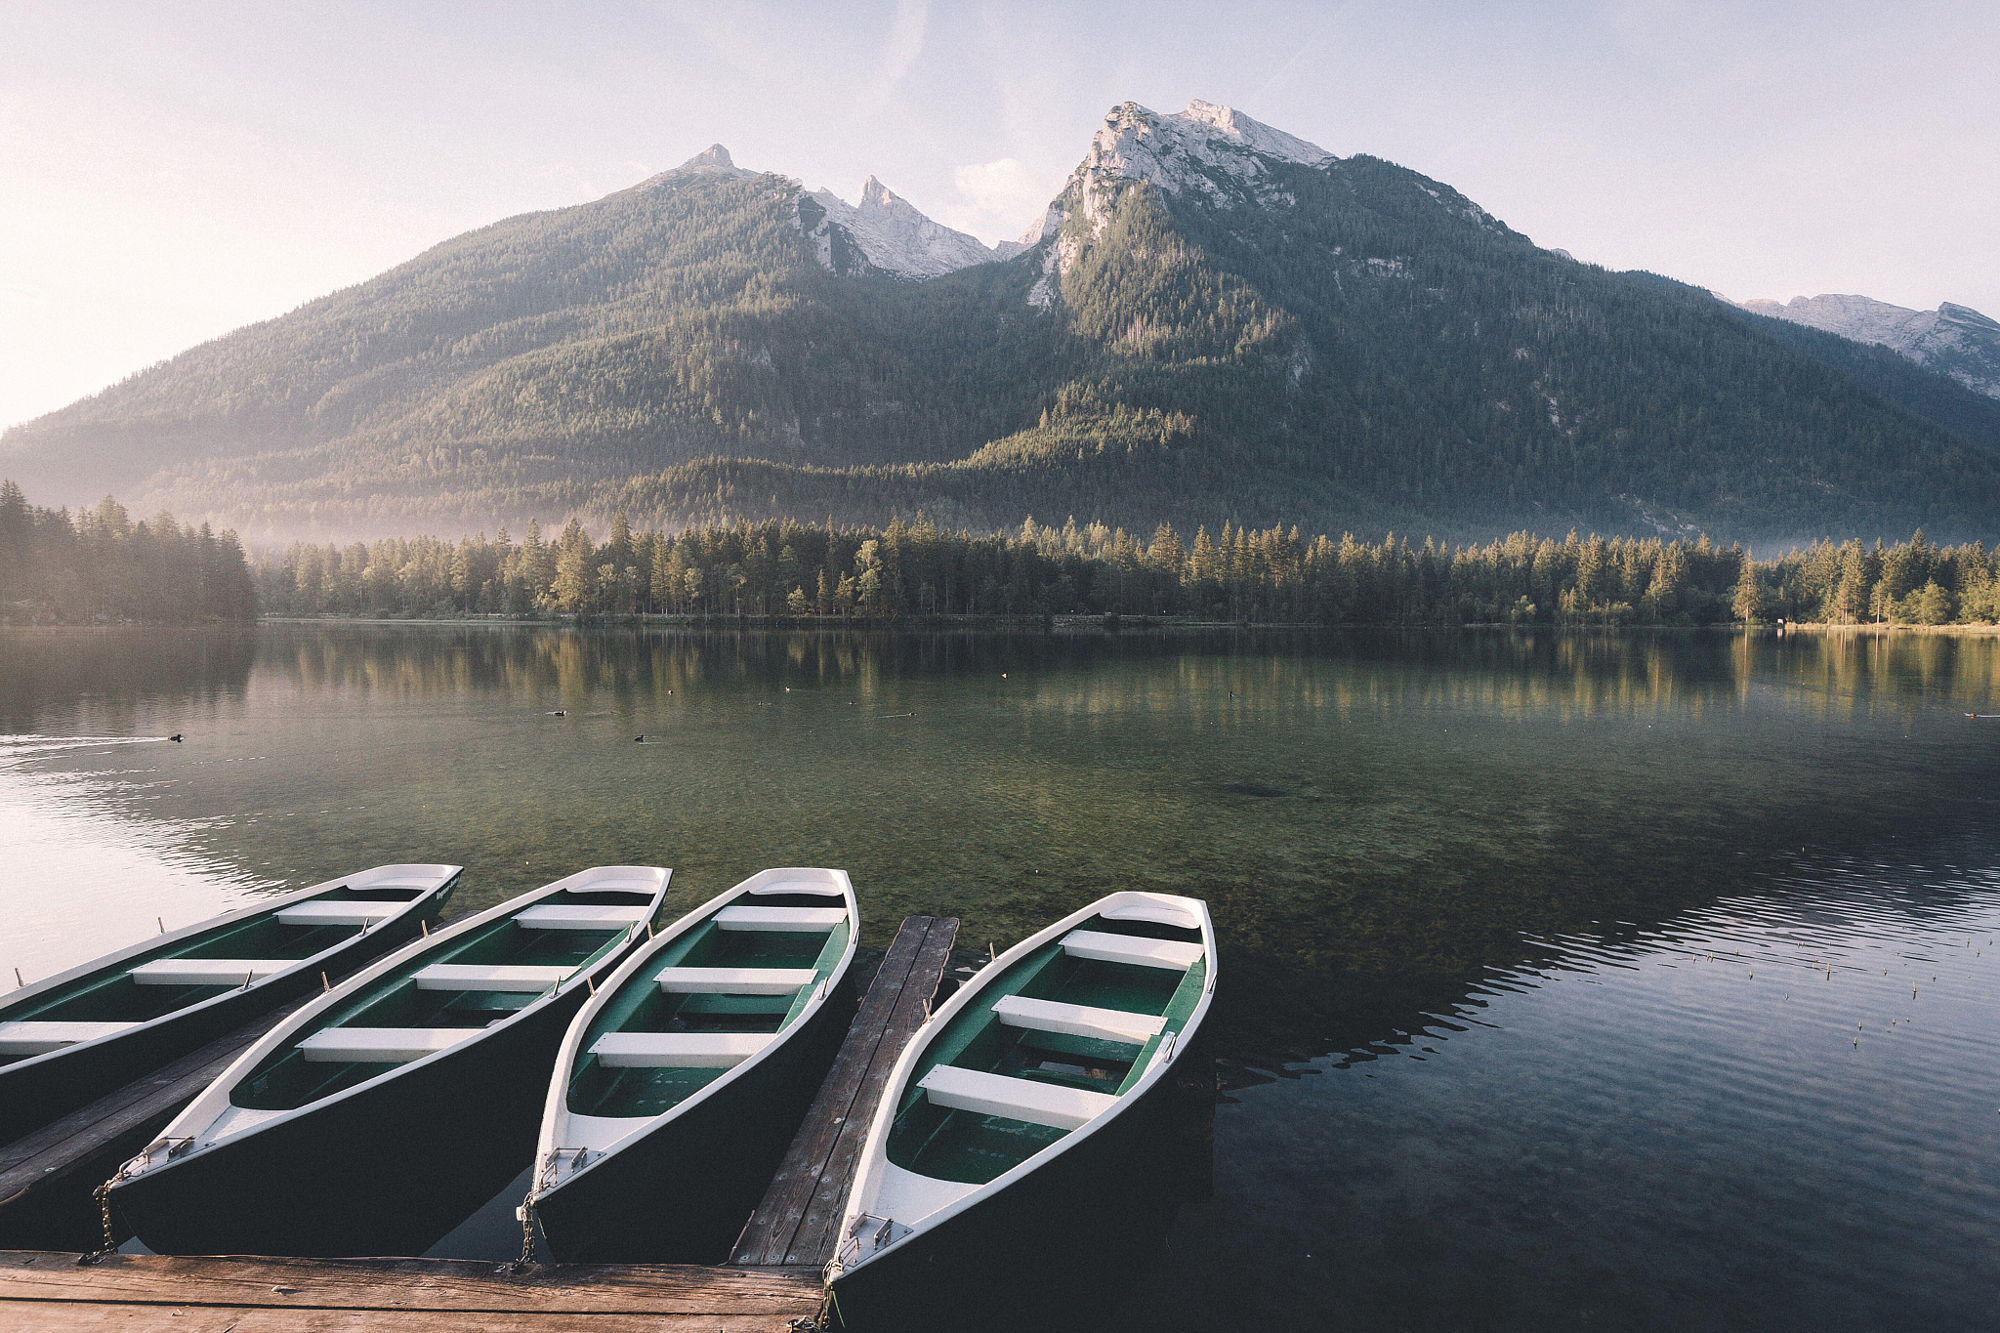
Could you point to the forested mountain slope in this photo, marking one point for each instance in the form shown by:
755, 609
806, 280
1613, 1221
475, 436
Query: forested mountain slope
1214, 321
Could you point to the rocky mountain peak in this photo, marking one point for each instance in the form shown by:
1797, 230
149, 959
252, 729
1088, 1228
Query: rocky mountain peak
1953, 340
713, 158
891, 234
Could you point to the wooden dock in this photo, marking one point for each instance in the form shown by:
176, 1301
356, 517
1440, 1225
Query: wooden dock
202, 1295
799, 1219
47, 1177
771, 1284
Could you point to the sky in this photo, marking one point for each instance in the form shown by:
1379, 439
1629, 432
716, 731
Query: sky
170, 171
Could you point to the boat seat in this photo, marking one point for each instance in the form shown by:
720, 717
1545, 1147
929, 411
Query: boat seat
1176, 955
1078, 1020
380, 1045
29, 1036
817, 887
338, 912
208, 971
780, 918
489, 976
1014, 1098
734, 980
1164, 914
581, 916
691, 1050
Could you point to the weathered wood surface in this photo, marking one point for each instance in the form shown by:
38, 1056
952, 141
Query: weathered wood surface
51, 1290
46, 1177
797, 1222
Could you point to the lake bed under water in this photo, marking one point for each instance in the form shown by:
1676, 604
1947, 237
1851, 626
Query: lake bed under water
1566, 980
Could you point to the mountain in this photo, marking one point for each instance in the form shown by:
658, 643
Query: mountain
1972, 416
1952, 340
891, 236
1213, 320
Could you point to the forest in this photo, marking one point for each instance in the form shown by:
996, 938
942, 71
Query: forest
1376, 355
917, 570
99, 566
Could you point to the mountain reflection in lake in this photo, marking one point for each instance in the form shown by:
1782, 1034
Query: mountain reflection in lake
1481, 1069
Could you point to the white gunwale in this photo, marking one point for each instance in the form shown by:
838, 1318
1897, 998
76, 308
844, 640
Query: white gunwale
556, 1114
214, 1103
430, 878
874, 1166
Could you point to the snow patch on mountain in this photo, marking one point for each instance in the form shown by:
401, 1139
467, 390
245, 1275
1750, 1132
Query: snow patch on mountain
891, 234
1215, 152
1953, 340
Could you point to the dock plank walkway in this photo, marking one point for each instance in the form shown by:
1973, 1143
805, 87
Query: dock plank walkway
772, 1282
46, 1176
797, 1222
41, 1290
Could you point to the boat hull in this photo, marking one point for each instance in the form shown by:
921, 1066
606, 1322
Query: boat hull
682, 1192
387, 1170
34, 1093
1050, 1249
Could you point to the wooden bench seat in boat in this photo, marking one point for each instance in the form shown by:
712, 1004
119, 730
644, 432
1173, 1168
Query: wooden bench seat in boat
1014, 1098
29, 1036
780, 918
518, 977
687, 1050
582, 916
207, 971
733, 980
1078, 1020
1177, 955
337, 912
380, 1045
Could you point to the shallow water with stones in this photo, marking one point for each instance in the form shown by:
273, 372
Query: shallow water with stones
1566, 980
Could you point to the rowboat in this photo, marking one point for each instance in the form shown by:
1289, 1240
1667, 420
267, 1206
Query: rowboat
80, 1034
381, 1113
1027, 1115
679, 1085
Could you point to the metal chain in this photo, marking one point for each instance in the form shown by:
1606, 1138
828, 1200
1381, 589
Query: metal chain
103, 1196
527, 1232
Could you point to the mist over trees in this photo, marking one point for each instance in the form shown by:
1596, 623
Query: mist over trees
101, 566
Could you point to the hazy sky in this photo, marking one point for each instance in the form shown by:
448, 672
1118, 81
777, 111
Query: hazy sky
171, 171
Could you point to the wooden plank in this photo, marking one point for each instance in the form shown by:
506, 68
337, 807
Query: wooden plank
237, 1319
42, 1279
807, 1195
818, 1232
46, 1176
768, 1234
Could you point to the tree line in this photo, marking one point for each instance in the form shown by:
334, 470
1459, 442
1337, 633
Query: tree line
907, 570
99, 565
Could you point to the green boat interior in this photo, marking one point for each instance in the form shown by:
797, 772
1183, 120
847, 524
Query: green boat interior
187, 971
1048, 1044
444, 995
707, 1002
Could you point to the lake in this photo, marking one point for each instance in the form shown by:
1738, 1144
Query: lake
1566, 980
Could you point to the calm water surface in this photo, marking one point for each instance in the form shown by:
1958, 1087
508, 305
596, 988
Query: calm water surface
1566, 981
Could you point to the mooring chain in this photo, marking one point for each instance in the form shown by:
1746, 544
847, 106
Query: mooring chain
527, 1258
103, 1196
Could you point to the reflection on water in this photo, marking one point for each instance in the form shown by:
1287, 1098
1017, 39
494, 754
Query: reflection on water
1773, 1111
1448, 874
